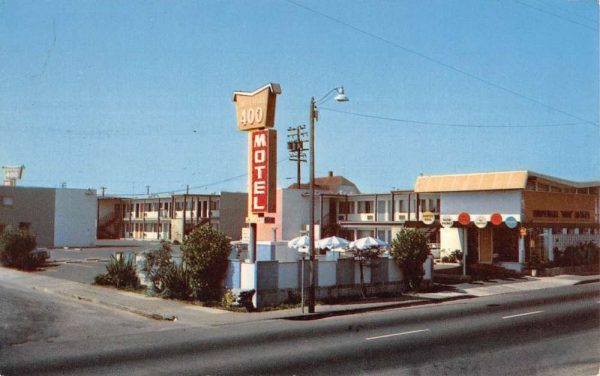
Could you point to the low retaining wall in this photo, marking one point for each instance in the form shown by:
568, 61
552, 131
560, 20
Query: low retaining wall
274, 297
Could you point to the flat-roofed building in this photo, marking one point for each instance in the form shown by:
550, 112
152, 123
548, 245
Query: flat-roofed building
505, 217
58, 217
171, 217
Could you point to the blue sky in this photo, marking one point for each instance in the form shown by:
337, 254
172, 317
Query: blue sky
125, 94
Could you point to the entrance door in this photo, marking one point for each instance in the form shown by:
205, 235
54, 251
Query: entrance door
485, 245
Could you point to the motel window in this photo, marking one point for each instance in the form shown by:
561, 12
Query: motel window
214, 205
432, 205
351, 207
381, 207
543, 187
401, 207
423, 206
365, 207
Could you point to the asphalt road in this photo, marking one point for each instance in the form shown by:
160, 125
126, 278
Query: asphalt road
544, 332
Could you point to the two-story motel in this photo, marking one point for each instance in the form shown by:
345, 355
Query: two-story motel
170, 217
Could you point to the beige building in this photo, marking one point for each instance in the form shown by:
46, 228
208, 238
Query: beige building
170, 217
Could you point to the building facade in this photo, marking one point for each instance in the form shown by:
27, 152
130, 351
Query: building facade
170, 217
58, 217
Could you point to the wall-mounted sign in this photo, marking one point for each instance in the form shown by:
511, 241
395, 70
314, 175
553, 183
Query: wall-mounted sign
446, 221
510, 222
523, 231
256, 110
480, 221
428, 218
496, 219
263, 174
464, 218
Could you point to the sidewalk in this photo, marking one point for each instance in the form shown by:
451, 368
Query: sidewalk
195, 315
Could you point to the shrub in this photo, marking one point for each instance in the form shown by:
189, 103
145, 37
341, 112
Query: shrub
205, 253
157, 263
16, 250
410, 250
120, 273
177, 283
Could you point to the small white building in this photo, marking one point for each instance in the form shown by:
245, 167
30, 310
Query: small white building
58, 217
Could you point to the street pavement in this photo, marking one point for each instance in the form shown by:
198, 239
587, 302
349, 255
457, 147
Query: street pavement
551, 331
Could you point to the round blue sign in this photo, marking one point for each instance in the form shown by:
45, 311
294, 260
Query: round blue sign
511, 222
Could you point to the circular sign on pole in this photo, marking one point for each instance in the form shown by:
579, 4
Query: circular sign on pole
496, 219
510, 222
428, 217
480, 221
446, 221
464, 218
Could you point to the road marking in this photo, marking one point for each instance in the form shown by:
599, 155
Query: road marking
397, 334
521, 314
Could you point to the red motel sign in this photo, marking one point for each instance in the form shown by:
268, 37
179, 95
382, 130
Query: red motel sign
263, 165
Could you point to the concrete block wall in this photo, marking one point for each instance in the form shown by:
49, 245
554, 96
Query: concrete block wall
276, 282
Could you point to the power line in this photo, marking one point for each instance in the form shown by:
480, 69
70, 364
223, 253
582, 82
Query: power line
554, 15
438, 62
195, 187
562, 9
461, 125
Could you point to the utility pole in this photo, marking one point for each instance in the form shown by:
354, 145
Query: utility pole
296, 149
147, 190
103, 189
187, 189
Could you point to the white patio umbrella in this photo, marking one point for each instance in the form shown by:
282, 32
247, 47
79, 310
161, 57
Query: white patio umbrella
299, 242
332, 242
368, 242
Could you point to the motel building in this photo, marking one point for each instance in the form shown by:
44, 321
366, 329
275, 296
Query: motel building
493, 217
170, 217
504, 218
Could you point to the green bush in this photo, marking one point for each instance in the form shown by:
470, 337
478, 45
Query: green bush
205, 252
157, 263
120, 273
177, 283
574, 255
410, 250
16, 248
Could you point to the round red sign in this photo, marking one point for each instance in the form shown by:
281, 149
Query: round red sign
464, 218
496, 219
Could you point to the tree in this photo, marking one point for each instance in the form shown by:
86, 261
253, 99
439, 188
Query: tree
365, 257
16, 250
205, 254
410, 250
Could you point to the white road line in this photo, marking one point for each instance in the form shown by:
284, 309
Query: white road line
397, 334
521, 314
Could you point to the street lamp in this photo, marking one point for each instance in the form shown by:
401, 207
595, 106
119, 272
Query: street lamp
314, 116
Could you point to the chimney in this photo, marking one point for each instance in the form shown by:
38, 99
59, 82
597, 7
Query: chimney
330, 173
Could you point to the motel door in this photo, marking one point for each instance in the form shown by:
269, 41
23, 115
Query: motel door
485, 245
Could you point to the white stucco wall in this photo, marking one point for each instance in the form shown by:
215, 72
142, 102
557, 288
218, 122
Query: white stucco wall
288, 275
327, 273
75, 218
507, 203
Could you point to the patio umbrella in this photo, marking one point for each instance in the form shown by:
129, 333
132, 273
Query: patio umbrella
332, 242
368, 242
299, 242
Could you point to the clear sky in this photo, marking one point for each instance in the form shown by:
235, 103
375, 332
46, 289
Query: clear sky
125, 94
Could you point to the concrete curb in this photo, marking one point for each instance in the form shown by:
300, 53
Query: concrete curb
143, 313
352, 311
